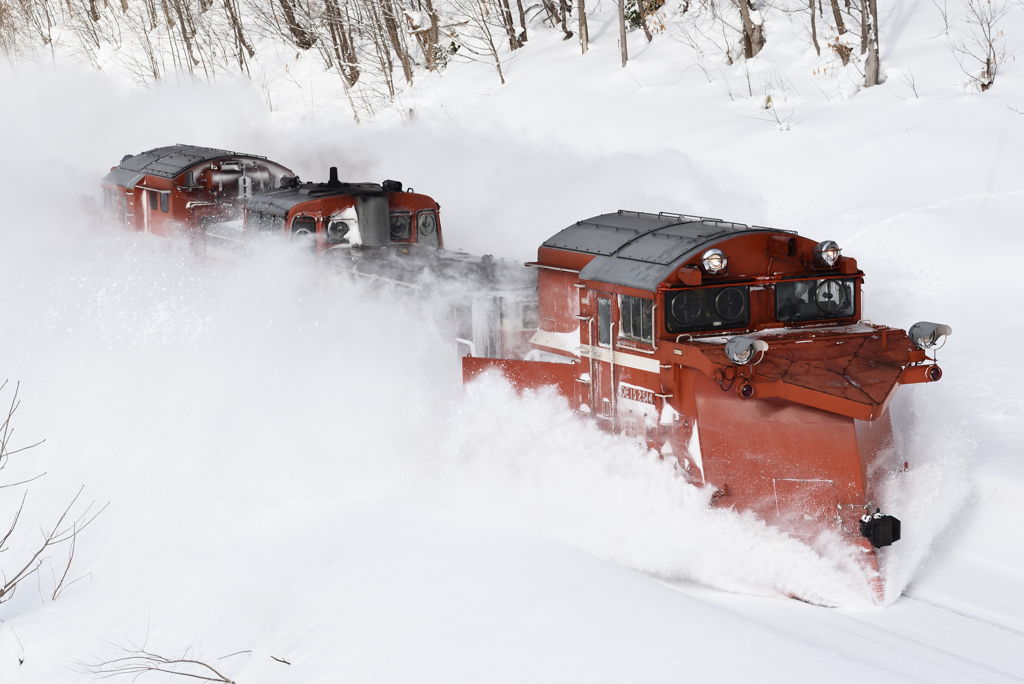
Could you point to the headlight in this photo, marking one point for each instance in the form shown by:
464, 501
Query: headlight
827, 252
926, 335
714, 261
743, 350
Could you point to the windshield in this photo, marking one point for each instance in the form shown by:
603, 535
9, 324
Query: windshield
814, 300
257, 222
707, 308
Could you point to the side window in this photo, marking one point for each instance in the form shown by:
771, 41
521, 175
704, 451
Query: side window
337, 232
426, 227
401, 227
153, 199
303, 226
164, 200
604, 321
531, 316
637, 318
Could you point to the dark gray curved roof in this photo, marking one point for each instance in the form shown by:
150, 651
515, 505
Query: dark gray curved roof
166, 162
280, 202
640, 250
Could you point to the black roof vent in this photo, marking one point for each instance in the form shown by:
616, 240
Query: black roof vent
392, 186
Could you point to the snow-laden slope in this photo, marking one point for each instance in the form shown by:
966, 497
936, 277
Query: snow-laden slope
293, 469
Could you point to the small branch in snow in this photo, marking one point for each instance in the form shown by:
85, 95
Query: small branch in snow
138, 661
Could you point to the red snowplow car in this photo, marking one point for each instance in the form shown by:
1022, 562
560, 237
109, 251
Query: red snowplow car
738, 351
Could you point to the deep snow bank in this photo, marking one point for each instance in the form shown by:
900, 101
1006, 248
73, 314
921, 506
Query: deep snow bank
242, 419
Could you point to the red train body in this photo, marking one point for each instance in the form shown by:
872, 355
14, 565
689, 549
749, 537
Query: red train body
737, 351
182, 189
337, 215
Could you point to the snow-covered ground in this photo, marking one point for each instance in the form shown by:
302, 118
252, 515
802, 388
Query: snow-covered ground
294, 471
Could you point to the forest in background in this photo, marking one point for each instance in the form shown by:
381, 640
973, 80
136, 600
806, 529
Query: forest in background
378, 48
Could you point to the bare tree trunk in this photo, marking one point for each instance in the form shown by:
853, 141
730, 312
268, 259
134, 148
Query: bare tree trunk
187, 33
427, 37
641, 5
510, 27
842, 50
814, 31
344, 50
564, 9
837, 14
753, 35
622, 32
396, 41
301, 36
871, 65
584, 32
486, 29
522, 20
864, 28
236, 28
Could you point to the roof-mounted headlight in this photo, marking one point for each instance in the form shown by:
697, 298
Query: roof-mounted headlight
743, 351
926, 335
714, 261
827, 253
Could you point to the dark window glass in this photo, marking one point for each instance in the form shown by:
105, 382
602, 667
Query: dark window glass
815, 300
647, 320
164, 201
707, 308
401, 226
153, 199
637, 316
426, 226
531, 317
604, 321
304, 225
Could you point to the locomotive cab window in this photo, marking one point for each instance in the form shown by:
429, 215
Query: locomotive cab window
604, 321
426, 227
401, 227
636, 319
164, 201
815, 300
707, 308
257, 222
154, 199
304, 226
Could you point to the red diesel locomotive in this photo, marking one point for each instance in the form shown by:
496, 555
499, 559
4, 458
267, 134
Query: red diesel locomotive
738, 351
183, 188
337, 215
